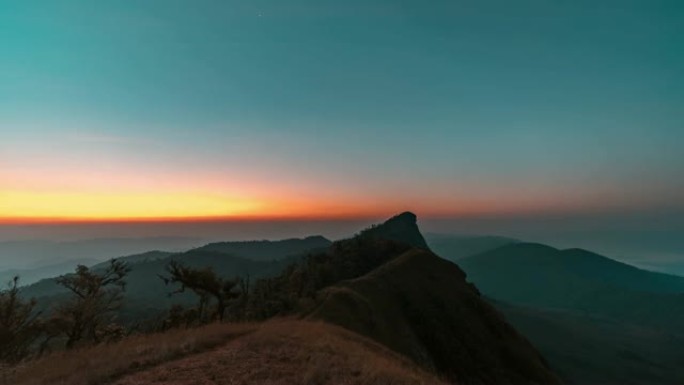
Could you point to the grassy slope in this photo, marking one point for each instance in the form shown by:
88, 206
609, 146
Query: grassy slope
281, 351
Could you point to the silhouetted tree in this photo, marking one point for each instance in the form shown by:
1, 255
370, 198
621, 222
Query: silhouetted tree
238, 309
205, 284
19, 324
178, 316
96, 298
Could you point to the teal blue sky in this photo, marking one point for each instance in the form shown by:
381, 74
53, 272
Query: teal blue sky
536, 105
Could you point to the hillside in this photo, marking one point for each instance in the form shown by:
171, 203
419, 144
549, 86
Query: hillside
421, 306
22, 255
134, 259
585, 349
455, 247
541, 276
268, 250
596, 320
405, 297
278, 352
30, 276
146, 295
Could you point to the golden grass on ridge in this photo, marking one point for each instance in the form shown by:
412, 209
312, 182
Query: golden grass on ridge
103, 363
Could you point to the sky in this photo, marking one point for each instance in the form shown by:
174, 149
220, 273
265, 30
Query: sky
180, 110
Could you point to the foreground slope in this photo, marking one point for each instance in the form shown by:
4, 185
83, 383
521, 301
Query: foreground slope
421, 306
278, 352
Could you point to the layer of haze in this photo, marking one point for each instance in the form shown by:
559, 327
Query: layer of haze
650, 240
355, 109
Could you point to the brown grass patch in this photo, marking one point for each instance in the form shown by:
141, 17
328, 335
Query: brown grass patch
278, 352
286, 352
105, 363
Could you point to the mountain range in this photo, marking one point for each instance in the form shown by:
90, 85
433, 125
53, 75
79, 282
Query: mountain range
597, 320
383, 284
462, 309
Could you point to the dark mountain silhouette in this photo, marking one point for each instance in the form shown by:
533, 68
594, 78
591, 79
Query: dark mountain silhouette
421, 306
138, 258
402, 228
585, 349
37, 253
29, 276
578, 280
405, 297
268, 250
454, 247
596, 320
146, 295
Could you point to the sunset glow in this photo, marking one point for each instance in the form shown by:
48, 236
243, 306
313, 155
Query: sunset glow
30, 205
55, 207
135, 112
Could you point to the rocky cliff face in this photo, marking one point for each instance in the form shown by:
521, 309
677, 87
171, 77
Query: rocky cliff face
402, 228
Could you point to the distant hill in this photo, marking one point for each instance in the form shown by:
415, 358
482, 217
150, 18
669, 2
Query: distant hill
29, 276
596, 320
147, 295
268, 250
22, 255
454, 247
541, 276
135, 259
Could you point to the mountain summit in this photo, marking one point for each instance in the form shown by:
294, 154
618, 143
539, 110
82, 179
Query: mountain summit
402, 228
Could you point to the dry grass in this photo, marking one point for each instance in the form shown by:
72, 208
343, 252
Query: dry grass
286, 352
279, 352
105, 363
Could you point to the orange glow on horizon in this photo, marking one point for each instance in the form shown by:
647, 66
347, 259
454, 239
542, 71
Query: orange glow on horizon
166, 203
29, 207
